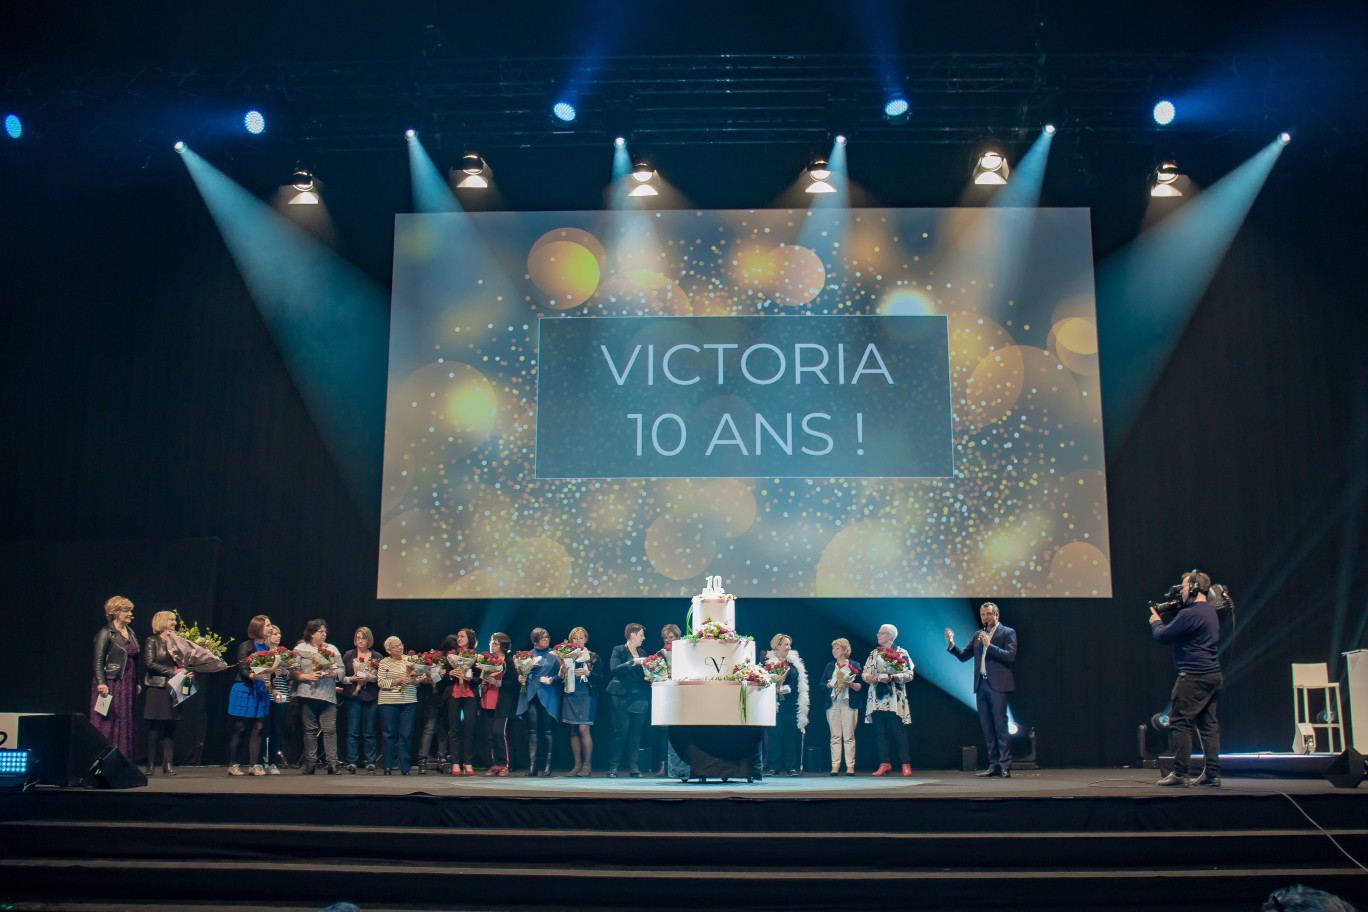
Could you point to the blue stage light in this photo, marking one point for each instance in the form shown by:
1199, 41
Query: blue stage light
620, 142
564, 111
179, 146
1284, 138
14, 762
14, 126
840, 139
896, 106
1163, 113
254, 122
1050, 129
410, 133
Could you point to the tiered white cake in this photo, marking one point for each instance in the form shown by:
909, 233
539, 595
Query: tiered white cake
693, 696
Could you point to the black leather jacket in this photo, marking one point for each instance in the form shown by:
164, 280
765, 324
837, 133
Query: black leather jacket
158, 666
110, 656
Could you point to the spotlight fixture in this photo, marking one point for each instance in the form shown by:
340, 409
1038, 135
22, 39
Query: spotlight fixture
1164, 113
992, 169
472, 166
897, 109
644, 190
1012, 727
14, 127
1051, 129
642, 172
620, 142
306, 188
179, 146
819, 170
564, 111
840, 139
1164, 181
1283, 137
410, 133
255, 122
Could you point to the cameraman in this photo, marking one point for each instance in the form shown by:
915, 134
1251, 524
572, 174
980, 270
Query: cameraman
1194, 632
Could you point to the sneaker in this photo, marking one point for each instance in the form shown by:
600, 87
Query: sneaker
273, 770
1173, 779
258, 770
370, 768
351, 768
1207, 780
235, 770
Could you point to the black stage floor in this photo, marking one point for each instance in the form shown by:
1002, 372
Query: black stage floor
1045, 839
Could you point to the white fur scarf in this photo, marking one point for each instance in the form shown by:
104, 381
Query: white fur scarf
803, 698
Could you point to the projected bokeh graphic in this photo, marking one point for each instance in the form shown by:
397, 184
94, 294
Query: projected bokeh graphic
966, 460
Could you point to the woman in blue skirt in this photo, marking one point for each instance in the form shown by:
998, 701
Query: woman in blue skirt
578, 708
248, 702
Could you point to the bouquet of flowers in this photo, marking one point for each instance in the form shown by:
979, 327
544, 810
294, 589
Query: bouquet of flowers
569, 654
420, 664
461, 658
324, 660
267, 660
752, 677
364, 670
524, 661
716, 630
490, 664
841, 680
891, 660
196, 650
778, 670
656, 668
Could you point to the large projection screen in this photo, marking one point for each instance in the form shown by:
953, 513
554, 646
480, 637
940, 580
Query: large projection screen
838, 403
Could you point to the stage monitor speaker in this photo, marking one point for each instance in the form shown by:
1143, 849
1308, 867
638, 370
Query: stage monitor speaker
1346, 771
67, 751
968, 759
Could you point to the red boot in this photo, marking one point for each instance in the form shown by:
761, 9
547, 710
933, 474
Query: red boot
884, 769
907, 769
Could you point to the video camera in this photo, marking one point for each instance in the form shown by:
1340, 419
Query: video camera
1218, 597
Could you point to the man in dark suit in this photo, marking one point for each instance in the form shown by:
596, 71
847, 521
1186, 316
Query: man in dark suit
994, 651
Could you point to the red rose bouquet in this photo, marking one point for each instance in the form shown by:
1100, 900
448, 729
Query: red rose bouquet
656, 668
777, 669
490, 664
891, 660
569, 653
524, 661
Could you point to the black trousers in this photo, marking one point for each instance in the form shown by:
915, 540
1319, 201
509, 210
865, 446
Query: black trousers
496, 737
783, 745
461, 718
1196, 699
540, 735
432, 717
890, 737
626, 734
992, 710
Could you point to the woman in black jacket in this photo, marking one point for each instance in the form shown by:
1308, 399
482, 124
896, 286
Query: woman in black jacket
160, 709
630, 694
116, 676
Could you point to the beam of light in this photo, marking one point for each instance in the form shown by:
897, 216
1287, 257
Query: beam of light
431, 192
1024, 188
827, 223
1148, 290
327, 318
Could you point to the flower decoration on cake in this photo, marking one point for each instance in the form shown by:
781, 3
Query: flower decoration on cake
717, 630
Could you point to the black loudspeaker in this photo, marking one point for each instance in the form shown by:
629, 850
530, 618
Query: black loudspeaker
1344, 772
66, 750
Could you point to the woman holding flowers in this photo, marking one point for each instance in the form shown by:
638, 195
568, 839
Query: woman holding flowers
278, 690
433, 692
840, 677
498, 698
539, 703
660, 735
462, 704
359, 695
160, 710
320, 668
785, 740
631, 698
579, 706
889, 668
248, 704
116, 676
398, 703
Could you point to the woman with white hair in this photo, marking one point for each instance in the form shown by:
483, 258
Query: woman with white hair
889, 668
398, 702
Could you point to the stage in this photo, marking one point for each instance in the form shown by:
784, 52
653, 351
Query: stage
1050, 838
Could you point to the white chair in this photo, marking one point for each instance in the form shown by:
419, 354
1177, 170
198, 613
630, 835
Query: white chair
1316, 676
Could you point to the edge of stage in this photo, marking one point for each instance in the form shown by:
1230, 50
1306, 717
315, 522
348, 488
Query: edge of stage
1053, 838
